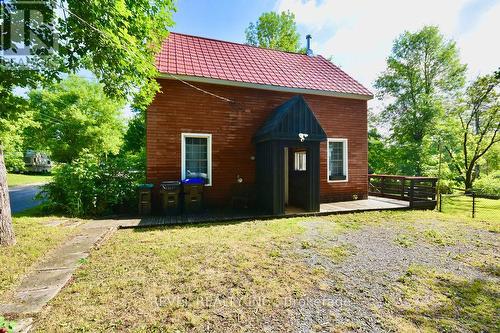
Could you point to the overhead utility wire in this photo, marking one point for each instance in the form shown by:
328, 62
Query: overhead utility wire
134, 54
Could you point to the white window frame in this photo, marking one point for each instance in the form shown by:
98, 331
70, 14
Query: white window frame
209, 153
345, 157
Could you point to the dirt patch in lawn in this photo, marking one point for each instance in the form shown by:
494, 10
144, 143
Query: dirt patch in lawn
370, 272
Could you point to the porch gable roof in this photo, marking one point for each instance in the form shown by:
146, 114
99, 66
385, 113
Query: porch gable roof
288, 120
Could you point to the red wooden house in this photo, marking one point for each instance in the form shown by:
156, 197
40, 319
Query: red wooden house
293, 126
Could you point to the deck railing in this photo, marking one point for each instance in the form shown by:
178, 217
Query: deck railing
419, 191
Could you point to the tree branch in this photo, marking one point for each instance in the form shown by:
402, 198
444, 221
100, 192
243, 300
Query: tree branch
455, 164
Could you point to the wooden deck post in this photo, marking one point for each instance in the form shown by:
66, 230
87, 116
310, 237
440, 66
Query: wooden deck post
411, 194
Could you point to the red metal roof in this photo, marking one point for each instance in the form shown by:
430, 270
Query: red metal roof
209, 58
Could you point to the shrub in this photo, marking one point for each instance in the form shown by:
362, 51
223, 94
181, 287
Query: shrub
90, 186
488, 184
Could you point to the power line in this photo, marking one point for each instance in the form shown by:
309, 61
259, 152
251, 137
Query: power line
135, 54
197, 88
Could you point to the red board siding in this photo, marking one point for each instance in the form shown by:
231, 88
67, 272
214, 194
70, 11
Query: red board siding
183, 109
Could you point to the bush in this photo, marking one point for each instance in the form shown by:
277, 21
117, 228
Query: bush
488, 184
90, 186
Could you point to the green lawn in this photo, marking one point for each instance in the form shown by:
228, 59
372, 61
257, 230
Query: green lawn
461, 205
34, 239
14, 179
254, 276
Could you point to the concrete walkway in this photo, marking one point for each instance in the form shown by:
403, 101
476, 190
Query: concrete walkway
53, 273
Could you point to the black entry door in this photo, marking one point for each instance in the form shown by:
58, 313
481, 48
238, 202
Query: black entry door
271, 177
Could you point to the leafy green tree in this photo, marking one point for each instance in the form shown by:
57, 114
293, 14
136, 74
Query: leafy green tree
12, 137
75, 115
117, 40
423, 71
471, 128
274, 31
377, 153
135, 137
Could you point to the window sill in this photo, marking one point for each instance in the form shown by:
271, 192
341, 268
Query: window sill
338, 181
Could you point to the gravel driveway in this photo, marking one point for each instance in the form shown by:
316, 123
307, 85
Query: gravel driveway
356, 291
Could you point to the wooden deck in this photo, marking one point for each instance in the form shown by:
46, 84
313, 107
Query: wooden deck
370, 204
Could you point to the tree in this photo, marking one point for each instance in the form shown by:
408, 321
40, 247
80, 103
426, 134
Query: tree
117, 40
274, 31
135, 137
75, 115
472, 127
12, 128
423, 71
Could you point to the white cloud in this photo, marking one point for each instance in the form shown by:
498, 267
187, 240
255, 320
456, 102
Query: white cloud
359, 33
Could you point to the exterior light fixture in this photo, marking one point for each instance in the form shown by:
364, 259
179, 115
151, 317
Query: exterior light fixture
303, 136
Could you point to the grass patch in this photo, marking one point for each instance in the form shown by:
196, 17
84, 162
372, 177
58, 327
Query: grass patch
338, 253
437, 237
14, 179
227, 277
486, 260
404, 240
34, 240
435, 301
461, 205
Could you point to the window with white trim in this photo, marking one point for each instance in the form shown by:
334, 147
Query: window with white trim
337, 160
196, 156
300, 161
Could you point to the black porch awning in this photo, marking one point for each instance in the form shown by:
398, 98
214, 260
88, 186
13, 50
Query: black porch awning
288, 120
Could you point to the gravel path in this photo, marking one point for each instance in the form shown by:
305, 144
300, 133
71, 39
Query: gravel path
355, 288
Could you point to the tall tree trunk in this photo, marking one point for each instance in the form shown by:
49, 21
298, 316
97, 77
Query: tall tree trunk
6, 230
468, 179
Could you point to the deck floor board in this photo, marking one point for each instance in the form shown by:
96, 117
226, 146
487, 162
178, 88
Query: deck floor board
370, 204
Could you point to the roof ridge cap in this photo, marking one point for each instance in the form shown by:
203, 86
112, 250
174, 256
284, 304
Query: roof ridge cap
236, 43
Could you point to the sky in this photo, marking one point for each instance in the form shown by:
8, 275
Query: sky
358, 34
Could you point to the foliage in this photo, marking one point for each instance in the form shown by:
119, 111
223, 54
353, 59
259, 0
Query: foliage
423, 71
6, 326
380, 154
75, 115
117, 40
488, 184
122, 54
471, 127
134, 140
91, 186
12, 126
274, 31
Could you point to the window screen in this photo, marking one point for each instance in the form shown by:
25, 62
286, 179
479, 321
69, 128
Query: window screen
336, 151
196, 157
